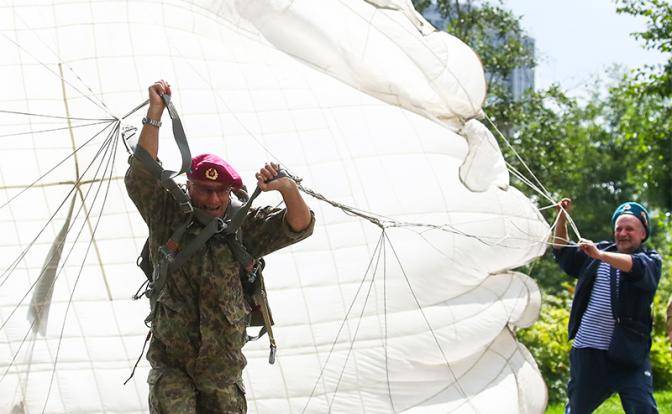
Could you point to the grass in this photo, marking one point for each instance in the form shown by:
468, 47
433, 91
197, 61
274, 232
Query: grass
613, 405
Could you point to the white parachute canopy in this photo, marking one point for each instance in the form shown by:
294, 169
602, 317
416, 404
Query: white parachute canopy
401, 301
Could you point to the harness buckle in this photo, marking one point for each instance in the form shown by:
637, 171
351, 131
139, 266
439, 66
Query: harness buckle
253, 271
222, 225
166, 254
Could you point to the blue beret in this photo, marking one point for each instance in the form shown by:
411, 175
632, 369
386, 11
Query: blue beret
633, 209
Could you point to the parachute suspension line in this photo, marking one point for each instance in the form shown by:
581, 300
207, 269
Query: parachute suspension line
58, 164
109, 165
386, 222
361, 316
527, 182
13, 266
539, 187
73, 118
56, 276
546, 207
387, 369
431, 330
134, 110
534, 177
67, 113
522, 178
345, 318
99, 104
79, 188
41, 131
537, 182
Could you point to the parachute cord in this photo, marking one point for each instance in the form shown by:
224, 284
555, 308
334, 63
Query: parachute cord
136, 109
345, 318
100, 104
71, 118
41, 131
379, 221
431, 330
538, 186
527, 182
501, 135
137, 362
359, 321
32, 286
570, 220
58, 164
139, 295
385, 222
10, 269
387, 368
110, 161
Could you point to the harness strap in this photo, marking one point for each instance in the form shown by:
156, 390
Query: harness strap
144, 345
166, 177
261, 300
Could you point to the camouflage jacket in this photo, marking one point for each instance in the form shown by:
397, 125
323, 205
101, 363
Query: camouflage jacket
202, 313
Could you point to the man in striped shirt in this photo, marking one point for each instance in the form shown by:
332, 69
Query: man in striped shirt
615, 280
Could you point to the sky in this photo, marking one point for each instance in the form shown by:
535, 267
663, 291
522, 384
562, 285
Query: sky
577, 40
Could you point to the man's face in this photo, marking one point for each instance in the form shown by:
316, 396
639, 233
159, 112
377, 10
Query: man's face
629, 233
211, 197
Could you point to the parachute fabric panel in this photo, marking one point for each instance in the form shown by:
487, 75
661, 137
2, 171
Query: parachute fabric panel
39, 305
410, 310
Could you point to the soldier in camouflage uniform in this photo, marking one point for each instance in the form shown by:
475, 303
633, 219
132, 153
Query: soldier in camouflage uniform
199, 327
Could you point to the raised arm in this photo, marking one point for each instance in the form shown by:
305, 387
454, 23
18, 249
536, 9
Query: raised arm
298, 215
149, 136
560, 234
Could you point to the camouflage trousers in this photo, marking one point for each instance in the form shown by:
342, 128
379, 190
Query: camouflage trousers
171, 391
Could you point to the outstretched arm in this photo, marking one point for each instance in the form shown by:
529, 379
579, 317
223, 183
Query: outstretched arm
620, 261
298, 214
149, 136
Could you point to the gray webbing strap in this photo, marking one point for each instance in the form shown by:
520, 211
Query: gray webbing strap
240, 215
180, 137
166, 177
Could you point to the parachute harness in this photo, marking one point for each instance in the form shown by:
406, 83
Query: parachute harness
171, 255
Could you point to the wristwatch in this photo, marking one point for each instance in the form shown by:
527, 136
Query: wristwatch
152, 122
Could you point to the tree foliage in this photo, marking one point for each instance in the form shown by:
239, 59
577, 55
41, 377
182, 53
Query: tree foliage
494, 33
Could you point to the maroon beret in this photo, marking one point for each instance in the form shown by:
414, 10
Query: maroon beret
209, 167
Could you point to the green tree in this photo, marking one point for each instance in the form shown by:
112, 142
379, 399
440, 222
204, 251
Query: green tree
496, 36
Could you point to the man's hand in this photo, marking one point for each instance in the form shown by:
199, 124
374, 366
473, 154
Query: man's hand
270, 172
156, 105
589, 248
149, 136
298, 214
563, 208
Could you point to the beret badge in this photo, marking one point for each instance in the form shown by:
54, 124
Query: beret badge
211, 174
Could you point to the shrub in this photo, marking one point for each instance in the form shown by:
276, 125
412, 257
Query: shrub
547, 341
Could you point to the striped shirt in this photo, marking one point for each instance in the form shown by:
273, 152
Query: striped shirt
597, 322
